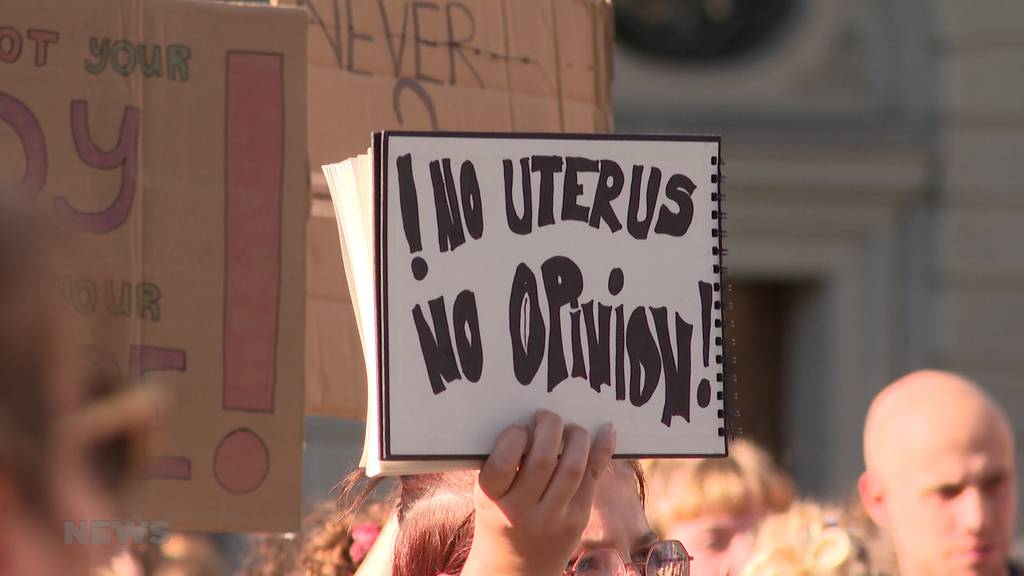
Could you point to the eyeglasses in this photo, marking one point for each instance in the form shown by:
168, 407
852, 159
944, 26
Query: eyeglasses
665, 558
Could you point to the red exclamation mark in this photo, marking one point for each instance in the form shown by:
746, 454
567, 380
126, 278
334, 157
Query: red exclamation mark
254, 168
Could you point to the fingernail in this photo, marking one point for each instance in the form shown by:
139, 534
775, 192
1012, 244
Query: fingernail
509, 429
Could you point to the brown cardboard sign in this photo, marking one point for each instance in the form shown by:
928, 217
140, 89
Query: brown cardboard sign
454, 65
464, 65
169, 138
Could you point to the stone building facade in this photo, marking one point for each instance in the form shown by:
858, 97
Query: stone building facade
874, 159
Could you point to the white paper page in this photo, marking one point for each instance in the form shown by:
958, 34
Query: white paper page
345, 195
658, 270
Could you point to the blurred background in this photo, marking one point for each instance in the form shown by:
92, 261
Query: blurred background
873, 154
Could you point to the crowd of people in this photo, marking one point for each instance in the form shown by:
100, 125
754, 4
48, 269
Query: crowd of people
937, 496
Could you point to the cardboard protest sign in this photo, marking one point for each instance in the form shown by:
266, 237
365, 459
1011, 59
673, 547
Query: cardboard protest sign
454, 65
431, 65
512, 273
168, 138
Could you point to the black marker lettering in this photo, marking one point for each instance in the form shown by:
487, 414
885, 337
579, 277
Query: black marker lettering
467, 335
679, 190
436, 346
470, 192
563, 283
609, 186
620, 353
547, 166
409, 203
644, 362
572, 190
446, 204
526, 358
579, 366
598, 341
704, 289
677, 366
639, 228
521, 225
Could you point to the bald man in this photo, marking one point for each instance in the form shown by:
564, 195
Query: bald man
940, 476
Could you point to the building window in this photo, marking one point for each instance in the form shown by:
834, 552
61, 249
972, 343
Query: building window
701, 30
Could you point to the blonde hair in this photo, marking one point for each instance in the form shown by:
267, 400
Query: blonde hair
335, 545
806, 540
747, 482
876, 539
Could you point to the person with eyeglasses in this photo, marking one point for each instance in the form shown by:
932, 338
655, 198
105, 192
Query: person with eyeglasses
548, 501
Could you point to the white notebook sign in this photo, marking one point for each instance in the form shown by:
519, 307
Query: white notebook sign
496, 274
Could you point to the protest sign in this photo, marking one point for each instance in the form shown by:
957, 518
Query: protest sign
431, 65
512, 273
454, 65
168, 138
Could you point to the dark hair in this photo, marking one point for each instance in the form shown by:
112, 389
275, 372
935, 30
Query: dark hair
435, 524
435, 520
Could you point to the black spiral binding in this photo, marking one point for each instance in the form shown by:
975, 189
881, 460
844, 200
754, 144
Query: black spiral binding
728, 381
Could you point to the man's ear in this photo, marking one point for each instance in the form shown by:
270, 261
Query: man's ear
873, 498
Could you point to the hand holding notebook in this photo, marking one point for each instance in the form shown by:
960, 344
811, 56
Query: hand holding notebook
493, 275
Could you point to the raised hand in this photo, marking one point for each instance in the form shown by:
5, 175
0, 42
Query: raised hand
533, 504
